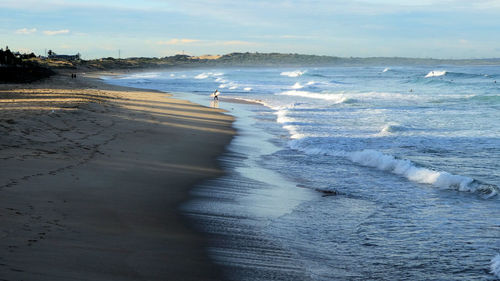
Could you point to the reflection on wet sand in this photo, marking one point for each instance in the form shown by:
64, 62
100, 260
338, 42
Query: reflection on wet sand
214, 104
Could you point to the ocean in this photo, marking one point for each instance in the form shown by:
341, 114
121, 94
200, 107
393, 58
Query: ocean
350, 173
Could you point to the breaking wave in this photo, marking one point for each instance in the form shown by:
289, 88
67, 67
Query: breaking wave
392, 128
297, 85
404, 168
205, 75
436, 73
145, 75
201, 76
295, 73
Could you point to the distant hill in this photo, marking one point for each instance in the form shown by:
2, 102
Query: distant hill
253, 60
29, 67
273, 59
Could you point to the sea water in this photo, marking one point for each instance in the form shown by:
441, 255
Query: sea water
351, 173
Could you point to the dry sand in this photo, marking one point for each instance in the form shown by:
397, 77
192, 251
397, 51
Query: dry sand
91, 177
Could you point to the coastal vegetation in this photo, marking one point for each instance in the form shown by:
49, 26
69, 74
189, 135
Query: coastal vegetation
20, 68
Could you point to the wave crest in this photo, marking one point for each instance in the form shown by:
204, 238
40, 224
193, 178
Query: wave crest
205, 75
297, 85
404, 168
435, 73
201, 76
295, 73
392, 128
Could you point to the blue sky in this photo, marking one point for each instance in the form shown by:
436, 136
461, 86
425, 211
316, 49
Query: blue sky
359, 28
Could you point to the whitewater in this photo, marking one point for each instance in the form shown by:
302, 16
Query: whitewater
351, 173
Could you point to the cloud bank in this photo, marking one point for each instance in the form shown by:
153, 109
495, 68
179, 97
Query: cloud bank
56, 32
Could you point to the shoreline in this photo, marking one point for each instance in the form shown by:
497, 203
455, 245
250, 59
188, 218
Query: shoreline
84, 201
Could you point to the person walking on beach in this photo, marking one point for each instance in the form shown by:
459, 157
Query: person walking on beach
216, 94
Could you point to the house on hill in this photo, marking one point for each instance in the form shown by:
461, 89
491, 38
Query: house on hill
55, 56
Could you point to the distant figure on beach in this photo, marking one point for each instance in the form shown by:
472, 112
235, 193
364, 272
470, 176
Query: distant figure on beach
216, 94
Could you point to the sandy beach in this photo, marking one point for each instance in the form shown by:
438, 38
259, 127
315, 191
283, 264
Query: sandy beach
91, 179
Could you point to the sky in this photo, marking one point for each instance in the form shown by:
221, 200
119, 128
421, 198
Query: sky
346, 28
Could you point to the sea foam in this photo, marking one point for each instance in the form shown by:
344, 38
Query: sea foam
337, 98
288, 122
201, 76
349, 97
144, 75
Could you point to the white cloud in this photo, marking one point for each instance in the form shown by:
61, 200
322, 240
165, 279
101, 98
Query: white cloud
177, 41
26, 31
56, 32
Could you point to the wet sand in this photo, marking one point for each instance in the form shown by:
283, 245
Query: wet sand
91, 179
